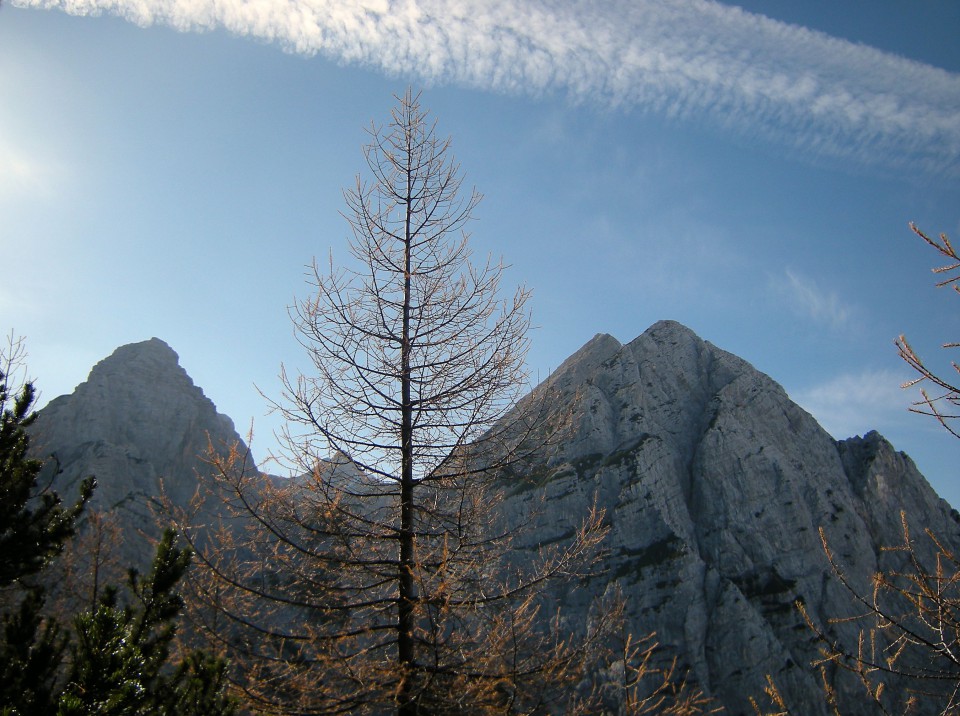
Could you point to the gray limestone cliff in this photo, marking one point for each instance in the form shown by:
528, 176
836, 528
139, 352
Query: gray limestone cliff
714, 483
136, 422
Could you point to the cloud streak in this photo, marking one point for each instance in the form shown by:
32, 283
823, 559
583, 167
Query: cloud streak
854, 403
808, 299
687, 59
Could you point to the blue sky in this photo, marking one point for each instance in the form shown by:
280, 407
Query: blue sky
168, 168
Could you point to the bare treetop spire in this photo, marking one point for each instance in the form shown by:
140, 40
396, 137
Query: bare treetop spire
388, 565
418, 327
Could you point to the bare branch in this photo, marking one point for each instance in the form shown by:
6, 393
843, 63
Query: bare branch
382, 575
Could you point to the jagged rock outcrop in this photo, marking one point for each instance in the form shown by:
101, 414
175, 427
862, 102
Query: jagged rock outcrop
136, 422
713, 481
715, 484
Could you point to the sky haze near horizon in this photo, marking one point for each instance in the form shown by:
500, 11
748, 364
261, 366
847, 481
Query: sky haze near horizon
169, 167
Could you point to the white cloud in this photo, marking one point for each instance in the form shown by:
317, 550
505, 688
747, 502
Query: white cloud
855, 403
808, 299
687, 58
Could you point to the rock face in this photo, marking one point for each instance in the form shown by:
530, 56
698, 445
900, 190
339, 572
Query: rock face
137, 420
714, 484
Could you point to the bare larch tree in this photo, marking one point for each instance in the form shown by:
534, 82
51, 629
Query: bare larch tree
910, 622
948, 392
384, 578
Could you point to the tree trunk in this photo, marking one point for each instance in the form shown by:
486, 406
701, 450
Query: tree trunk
405, 611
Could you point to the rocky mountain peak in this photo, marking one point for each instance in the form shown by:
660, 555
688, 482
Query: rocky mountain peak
135, 365
670, 331
137, 422
888, 481
714, 484
583, 362
139, 395
152, 350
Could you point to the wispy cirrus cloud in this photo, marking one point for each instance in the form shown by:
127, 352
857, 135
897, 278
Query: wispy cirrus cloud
688, 59
807, 298
855, 403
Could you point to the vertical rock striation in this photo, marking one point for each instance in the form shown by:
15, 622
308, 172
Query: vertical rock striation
714, 482
138, 421
715, 485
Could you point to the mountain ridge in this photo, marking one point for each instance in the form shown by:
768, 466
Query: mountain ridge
714, 484
142, 427
707, 470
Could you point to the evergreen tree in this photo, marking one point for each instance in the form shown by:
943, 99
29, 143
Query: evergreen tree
117, 659
121, 655
34, 524
31, 653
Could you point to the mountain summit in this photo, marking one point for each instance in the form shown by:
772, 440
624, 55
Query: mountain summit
714, 484
138, 420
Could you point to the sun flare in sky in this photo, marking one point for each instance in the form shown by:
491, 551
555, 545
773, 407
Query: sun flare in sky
169, 167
